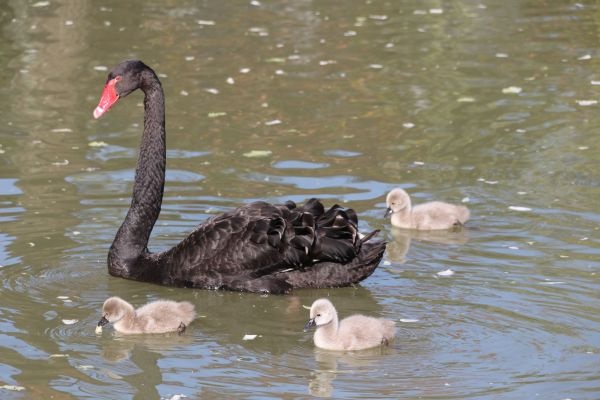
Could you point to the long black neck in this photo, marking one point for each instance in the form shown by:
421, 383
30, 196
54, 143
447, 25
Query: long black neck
132, 238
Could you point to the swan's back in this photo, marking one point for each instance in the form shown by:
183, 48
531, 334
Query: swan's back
270, 243
358, 332
160, 316
439, 215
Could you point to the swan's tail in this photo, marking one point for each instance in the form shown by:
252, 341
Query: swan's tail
330, 274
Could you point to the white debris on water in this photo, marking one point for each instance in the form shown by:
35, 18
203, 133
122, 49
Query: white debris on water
350, 33
244, 70
62, 297
273, 122
501, 55
216, 114
184, 93
98, 330
61, 163
386, 263
258, 153
436, 11
519, 208
408, 125
41, 4
230, 80
212, 90
466, 99
512, 90
585, 57
586, 103
205, 22
68, 22
446, 272
418, 163
189, 58
61, 130
97, 144
249, 337
408, 320
595, 83
14, 388
70, 321
327, 62
465, 200
375, 66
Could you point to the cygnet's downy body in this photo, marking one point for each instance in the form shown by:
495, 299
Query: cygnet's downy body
357, 332
427, 216
159, 316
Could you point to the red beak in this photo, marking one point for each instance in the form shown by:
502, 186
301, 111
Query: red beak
108, 98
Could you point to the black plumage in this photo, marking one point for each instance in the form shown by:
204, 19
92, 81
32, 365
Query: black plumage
258, 247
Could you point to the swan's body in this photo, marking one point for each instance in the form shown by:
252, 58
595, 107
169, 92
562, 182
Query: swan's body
257, 247
356, 332
427, 216
160, 316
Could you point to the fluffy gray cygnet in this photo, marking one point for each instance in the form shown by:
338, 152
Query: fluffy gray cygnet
356, 332
427, 216
159, 316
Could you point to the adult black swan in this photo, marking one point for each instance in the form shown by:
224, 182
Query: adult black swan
258, 247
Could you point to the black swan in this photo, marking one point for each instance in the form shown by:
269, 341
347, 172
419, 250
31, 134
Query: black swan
258, 247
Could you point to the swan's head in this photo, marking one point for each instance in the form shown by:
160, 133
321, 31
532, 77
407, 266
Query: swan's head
122, 80
114, 309
322, 312
396, 201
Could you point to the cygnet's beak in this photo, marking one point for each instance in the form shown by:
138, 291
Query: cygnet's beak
103, 321
310, 324
387, 212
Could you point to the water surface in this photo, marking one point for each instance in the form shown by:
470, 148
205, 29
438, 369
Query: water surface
488, 103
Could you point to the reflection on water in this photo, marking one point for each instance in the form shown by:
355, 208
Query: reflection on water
494, 101
398, 247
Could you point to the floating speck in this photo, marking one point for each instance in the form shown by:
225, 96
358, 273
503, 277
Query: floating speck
189, 58
552, 283
58, 356
184, 93
465, 200
249, 337
68, 22
408, 320
512, 90
521, 193
519, 208
255, 3
101, 68
85, 367
585, 103
61, 163
418, 163
378, 17
520, 130
244, 70
436, 11
276, 60
466, 99
327, 62
583, 147
273, 122
216, 114
258, 153
76, 233
595, 83
375, 66
585, 57
15, 388
350, 33
61, 130
491, 182
230, 80
212, 90
41, 4
97, 144
513, 247
446, 272
31, 244
389, 45
62, 297
98, 330
408, 125
501, 55
70, 321
205, 22
107, 23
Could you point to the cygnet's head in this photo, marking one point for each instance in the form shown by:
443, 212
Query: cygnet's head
114, 309
322, 312
396, 201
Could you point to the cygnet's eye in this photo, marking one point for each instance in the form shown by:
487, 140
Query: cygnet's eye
318, 315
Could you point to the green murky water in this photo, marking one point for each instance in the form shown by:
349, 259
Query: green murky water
491, 103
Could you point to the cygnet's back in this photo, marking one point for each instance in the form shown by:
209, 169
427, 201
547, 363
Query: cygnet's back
427, 216
356, 332
160, 316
